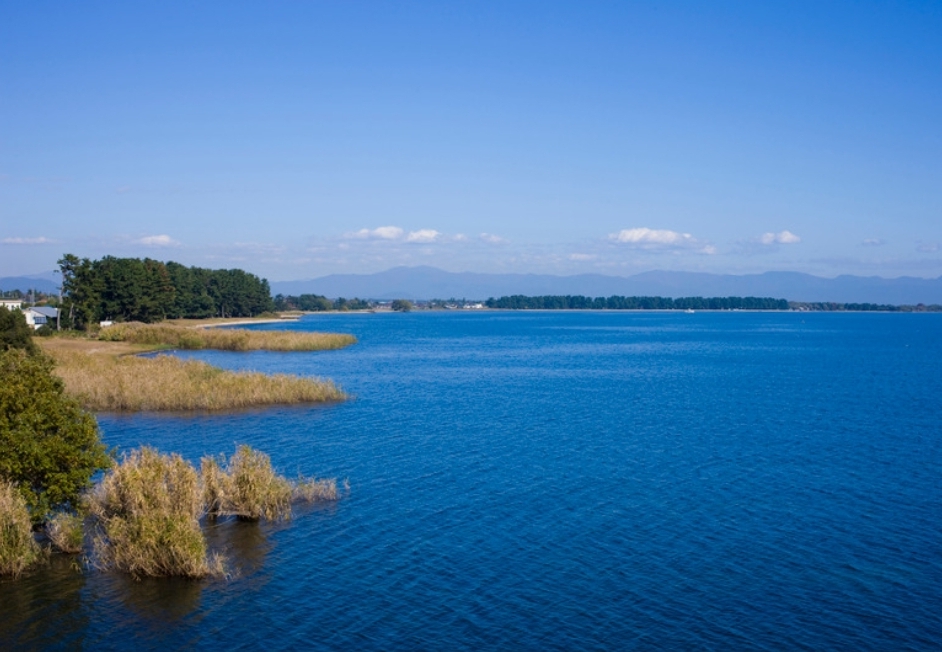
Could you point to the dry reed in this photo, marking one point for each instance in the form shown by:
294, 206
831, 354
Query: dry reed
223, 339
312, 490
18, 549
148, 508
67, 532
107, 383
247, 488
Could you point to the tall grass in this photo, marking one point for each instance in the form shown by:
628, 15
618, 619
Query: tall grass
223, 339
66, 532
247, 487
116, 384
18, 548
148, 509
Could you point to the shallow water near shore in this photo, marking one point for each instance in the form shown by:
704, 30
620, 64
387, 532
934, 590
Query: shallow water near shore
561, 480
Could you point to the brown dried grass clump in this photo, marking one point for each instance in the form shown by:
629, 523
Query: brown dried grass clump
313, 490
148, 509
67, 532
223, 339
246, 487
18, 549
117, 384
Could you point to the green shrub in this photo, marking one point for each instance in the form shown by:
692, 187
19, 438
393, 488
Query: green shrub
148, 509
15, 333
18, 549
49, 446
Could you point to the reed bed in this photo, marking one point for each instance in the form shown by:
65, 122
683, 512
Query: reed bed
246, 487
148, 508
148, 511
66, 532
18, 549
223, 339
165, 383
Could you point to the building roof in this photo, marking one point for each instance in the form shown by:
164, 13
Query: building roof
46, 311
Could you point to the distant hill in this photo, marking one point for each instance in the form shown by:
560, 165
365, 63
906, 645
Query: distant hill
46, 282
418, 283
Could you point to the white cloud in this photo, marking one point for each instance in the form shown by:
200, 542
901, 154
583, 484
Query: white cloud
490, 238
929, 248
582, 257
379, 233
645, 237
873, 242
709, 250
782, 237
26, 241
157, 241
460, 237
423, 236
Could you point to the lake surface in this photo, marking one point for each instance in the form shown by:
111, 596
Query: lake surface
562, 481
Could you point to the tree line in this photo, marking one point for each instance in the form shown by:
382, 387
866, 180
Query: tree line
132, 289
578, 302
318, 303
828, 306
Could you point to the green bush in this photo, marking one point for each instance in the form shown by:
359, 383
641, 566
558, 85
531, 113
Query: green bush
49, 446
15, 333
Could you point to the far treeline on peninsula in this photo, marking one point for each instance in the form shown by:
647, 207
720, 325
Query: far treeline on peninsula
147, 290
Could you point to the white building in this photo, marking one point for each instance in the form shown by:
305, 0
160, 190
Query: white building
40, 316
11, 304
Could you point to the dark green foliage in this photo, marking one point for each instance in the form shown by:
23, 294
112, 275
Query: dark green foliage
823, 306
520, 302
351, 304
130, 289
402, 305
49, 446
15, 333
318, 303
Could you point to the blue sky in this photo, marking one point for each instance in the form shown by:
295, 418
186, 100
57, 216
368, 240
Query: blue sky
297, 139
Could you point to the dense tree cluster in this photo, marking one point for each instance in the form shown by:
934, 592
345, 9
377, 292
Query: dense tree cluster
577, 302
822, 306
318, 303
131, 289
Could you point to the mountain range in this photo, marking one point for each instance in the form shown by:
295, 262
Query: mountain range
46, 282
418, 283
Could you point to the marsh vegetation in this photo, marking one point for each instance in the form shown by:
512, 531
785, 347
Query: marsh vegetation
102, 382
147, 510
176, 337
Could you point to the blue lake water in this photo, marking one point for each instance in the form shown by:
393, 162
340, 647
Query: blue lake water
562, 481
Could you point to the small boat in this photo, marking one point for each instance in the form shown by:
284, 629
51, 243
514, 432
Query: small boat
689, 311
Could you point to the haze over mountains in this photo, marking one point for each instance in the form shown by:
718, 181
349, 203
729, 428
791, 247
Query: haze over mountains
417, 283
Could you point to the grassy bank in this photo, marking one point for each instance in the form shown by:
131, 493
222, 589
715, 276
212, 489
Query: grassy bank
104, 374
109, 383
178, 337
